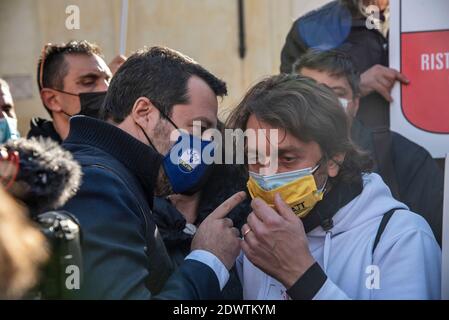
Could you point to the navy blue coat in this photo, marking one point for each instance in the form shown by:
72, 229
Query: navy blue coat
124, 256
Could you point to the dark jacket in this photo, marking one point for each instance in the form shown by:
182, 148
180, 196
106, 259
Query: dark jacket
225, 180
333, 27
43, 128
408, 169
124, 256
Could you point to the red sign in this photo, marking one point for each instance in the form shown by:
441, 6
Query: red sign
425, 61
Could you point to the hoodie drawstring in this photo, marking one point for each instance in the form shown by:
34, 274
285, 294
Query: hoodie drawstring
327, 249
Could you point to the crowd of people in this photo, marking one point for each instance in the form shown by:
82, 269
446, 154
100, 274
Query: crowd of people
352, 209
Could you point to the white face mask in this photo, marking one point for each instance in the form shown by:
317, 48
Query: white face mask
344, 103
270, 182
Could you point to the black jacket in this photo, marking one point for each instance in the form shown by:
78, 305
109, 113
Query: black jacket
333, 27
408, 169
124, 256
43, 128
225, 180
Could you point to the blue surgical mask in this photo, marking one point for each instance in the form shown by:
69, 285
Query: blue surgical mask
184, 164
8, 128
270, 182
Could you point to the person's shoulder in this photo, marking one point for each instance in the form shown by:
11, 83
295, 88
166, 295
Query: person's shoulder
326, 27
362, 135
405, 150
399, 141
405, 223
103, 196
321, 12
43, 128
109, 179
93, 158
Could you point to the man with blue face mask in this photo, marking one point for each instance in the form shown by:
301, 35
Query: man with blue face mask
136, 153
8, 118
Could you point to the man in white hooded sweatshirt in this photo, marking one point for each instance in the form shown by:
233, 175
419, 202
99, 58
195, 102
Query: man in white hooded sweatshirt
323, 226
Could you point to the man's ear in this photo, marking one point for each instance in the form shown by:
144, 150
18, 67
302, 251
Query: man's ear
51, 100
333, 165
144, 113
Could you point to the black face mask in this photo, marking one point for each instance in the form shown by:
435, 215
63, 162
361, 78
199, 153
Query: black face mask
90, 102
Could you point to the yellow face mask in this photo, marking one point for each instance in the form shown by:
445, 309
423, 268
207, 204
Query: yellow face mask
300, 194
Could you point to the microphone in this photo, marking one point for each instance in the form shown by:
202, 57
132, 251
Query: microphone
44, 176
39, 172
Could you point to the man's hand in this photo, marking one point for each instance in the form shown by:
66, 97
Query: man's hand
381, 79
116, 63
277, 242
217, 234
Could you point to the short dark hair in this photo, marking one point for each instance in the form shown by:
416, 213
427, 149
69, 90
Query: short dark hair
334, 62
158, 73
310, 112
55, 68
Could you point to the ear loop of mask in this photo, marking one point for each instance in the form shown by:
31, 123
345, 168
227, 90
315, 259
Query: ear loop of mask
148, 138
69, 93
145, 134
323, 188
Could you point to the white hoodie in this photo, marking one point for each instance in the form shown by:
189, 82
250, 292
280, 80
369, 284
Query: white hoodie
406, 263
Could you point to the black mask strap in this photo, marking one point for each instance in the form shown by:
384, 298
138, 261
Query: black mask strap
148, 138
62, 91
164, 116
69, 93
158, 107
67, 114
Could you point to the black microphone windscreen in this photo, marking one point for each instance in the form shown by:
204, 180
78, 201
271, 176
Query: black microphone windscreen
48, 175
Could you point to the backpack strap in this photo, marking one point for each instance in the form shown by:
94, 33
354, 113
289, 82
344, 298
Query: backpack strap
383, 224
382, 142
